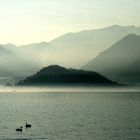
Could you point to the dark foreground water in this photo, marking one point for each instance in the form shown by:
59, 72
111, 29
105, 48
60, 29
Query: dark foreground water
71, 115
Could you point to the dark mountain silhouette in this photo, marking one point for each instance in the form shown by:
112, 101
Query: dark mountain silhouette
120, 62
69, 50
56, 75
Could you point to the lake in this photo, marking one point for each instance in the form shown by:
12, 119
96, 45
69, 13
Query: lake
70, 115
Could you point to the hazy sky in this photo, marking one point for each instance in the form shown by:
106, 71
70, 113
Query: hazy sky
27, 21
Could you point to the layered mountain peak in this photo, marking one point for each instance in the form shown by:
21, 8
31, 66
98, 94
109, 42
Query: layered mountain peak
118, 59
73, 49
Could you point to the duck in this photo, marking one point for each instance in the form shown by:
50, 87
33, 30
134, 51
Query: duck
28, 125
19, 129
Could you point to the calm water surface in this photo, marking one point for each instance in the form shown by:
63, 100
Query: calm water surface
70, 115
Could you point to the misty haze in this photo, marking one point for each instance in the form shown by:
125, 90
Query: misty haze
70, 70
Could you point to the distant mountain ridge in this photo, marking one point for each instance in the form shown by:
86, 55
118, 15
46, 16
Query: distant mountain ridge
86, 45
57, 75
77, 48
69, 50
120, 62
14, 64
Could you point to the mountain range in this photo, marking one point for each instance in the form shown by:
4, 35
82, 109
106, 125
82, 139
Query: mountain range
69, 50
74, 49
15, 64
79, 48
121, 62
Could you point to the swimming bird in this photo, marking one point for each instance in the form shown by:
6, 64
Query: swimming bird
28, 125
19, 129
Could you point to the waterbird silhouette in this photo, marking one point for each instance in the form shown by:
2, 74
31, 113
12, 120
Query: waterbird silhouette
28, 125
19, 129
